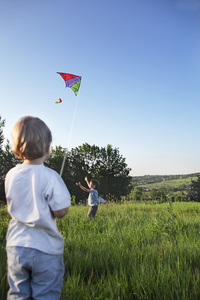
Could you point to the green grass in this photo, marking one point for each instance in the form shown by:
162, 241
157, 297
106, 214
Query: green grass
130, 251
176, 183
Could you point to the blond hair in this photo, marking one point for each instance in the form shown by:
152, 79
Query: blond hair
30, 137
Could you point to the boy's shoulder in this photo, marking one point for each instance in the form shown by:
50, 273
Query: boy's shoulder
94, 191
23, 169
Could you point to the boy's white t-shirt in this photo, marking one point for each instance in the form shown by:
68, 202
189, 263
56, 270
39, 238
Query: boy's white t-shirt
32, 192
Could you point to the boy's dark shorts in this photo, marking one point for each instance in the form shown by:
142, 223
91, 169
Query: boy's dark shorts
92, 211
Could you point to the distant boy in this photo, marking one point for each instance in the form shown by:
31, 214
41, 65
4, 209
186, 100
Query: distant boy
93, 198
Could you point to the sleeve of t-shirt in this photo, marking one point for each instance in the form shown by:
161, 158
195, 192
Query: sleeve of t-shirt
58, 194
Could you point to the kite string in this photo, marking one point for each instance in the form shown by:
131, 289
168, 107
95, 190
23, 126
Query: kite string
69, 137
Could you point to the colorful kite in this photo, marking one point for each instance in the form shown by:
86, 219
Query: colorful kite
59, 101
71, 81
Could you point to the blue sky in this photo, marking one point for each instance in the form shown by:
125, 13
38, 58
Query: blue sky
140, 68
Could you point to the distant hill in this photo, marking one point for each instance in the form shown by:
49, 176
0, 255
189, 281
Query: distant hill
155, 181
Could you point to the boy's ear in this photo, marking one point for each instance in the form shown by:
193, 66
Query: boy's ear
47, 149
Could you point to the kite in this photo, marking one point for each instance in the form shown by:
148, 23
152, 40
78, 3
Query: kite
59, 101
71, 81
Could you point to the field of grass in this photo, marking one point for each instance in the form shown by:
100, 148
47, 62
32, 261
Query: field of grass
176, 183
130, 251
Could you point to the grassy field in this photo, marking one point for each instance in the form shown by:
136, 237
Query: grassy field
176, 183
130, 251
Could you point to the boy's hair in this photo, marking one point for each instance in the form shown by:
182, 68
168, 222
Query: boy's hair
96, 183
30, 137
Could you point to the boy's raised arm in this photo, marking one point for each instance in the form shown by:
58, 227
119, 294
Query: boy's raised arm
82, 187
86, 179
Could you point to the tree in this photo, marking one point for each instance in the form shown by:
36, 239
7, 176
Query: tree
113, 172
180, 197
104, 164
56, 158
195, 190
2, 173
136, 194
158, 194
71, 167
8, 162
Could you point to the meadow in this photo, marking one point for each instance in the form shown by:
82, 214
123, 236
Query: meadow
130, 251
168, 183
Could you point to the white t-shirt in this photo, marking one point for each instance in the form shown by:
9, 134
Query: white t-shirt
32, 191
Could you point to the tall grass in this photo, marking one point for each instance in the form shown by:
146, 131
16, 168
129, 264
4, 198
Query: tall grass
130, 251
4, 220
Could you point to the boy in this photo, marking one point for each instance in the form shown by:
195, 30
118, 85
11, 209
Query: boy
36, 196
93, 197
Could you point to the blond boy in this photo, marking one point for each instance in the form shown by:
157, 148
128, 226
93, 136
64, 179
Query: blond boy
36, 196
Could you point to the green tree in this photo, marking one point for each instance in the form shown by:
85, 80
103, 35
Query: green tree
72, 171
113, 172
7, 159
104, 164
194, 193
180, 197
2, 162
56, 158
8, 162
136, 194
158, 194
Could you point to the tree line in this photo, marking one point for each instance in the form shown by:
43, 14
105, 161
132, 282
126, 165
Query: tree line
182, 193
105, 164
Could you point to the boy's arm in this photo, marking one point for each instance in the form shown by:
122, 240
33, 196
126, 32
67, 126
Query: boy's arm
82, 187
60, 213
86, 179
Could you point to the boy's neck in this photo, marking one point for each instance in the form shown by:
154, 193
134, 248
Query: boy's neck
37, 161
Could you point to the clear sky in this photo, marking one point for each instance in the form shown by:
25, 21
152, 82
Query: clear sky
140, 67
